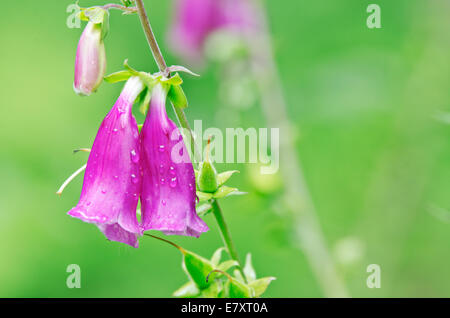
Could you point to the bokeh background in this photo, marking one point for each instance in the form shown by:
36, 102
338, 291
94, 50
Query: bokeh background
370, 107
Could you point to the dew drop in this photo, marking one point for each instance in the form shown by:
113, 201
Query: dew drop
161, 168
163, 181
115, 130
172, 171
173, 182
161, 148
134, 179
134, 156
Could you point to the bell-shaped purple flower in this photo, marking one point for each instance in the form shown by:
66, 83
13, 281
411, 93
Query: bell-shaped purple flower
168, 186
195, 20
90, 61
112, 180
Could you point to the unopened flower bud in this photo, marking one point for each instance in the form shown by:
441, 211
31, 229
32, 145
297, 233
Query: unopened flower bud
90, 61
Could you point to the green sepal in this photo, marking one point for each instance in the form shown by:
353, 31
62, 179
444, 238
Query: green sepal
204, 209
259, 286
212, 291
248, 269
236, 289
225, 191
203, 196
215, 259
119, 76
96, 15
188, 290
177, 97
227, 265
224, 176
207, 177
198, 269
145, 101
173, 80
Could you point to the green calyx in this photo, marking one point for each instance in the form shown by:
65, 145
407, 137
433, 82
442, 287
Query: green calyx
173, 83
210, 184
98, 16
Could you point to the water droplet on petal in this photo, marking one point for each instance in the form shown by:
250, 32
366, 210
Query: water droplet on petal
172, 171
163, 181
161, 148
115, 130
134, 156
173, 182
134, 179
161, 168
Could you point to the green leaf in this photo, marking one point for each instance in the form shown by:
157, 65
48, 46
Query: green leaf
248, 269
227, 265
217, 256
236, 289
198, 269
223, 192
118, 76
259, 286
177, 97
202, 196
188, 290
204, 209
224, 176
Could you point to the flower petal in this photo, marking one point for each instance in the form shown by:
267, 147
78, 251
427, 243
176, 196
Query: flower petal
168, 188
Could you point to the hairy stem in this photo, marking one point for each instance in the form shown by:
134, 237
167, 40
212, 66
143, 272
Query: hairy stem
157, 55
182, 119
119, 7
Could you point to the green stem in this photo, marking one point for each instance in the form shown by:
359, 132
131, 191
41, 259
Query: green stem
154, 48
226, 236
182, 119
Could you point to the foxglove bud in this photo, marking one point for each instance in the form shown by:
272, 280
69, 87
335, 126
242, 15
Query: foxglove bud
90, 61
207, 174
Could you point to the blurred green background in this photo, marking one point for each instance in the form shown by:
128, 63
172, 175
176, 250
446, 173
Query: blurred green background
371, 109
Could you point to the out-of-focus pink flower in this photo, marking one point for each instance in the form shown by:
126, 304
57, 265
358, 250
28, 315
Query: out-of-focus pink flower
195, 20
168, 185
112, 180
90, 61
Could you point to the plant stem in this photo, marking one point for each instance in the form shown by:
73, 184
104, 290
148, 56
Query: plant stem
226, 236
182, 119
151, 38
118, 7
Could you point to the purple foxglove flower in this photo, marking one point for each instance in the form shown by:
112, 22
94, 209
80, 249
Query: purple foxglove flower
112, 180
195, 20
168, 186
90, 61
